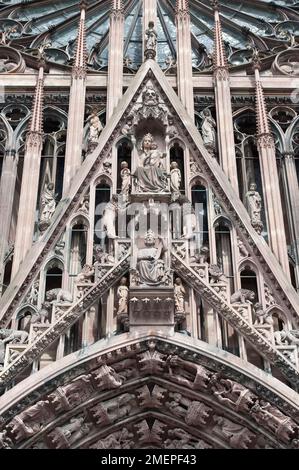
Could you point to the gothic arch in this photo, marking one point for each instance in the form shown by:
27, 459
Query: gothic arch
154, 393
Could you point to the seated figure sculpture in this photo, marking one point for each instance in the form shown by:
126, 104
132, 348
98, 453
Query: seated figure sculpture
151, 177
150, 265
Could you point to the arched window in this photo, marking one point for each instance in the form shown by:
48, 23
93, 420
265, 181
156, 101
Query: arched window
224, 248
54, 278
200, 204
103, 196
249, 281
78, 249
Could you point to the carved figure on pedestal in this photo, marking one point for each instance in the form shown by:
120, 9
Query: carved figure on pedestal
208, 130
151, 39
286, 337
150, 265
233, 394
123, 297
216, 274
262, 317
48, 205
43, 314
176, 180
109, 218
171, 130
59, 296
13, 336
235, 434
95, 129
126, 181
86, 276
201, 376
243, 296
151, 176
254, 207
189, 219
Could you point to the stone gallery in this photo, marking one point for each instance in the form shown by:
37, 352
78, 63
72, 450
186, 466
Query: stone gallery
149, 224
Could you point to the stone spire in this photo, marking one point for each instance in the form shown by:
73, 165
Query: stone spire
225, 129
116, 56
220, 60
263, 125
269, 174
36, 123
74, 141
184, 55
79, 67
30, 178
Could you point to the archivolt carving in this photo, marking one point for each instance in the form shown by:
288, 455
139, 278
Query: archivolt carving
107, 408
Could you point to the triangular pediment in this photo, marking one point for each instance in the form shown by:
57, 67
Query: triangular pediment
151, 74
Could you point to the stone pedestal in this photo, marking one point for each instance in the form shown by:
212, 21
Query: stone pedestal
152, 309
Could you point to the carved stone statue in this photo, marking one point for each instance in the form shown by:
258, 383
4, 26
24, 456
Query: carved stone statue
48, 205
150, 265
266, 414
179, 296
151, 39
176, 180
198, 376
208, 130
123, 297
286, 337
189, 220
33, 296
86, 276
262, 317
235, 395
43, 314
13, 336
216, 274
30, 421
243, 296
151, 177
109, 218
95, 129
59, 296
171, 130
65, 436
254, 207
126, 181
235, 434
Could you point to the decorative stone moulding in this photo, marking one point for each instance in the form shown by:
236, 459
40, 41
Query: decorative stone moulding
11, 61
287, 63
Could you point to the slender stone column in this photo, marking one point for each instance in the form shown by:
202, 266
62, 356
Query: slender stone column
184, 55
73, 153
116, 56
7, 191
292, 197
30, 179
226, 139
270, 180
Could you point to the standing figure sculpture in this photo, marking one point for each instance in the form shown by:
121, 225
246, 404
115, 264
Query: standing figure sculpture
48, 205
150, 265
176, 180
254, 207
123, 297
95, 128
151, 176
126, 181
208, 130
109, 218
179, 296
151, 40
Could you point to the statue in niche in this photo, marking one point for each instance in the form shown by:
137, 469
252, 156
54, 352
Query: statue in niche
109, 218
176, 180
126, 181
151, 37
151, 176
150, 265
254, 207
179, 296
189, 219
171, 130
95, 128
123, 297
48, 204
208, 129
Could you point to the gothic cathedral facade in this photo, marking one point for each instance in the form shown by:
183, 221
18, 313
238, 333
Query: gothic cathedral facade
149, 224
